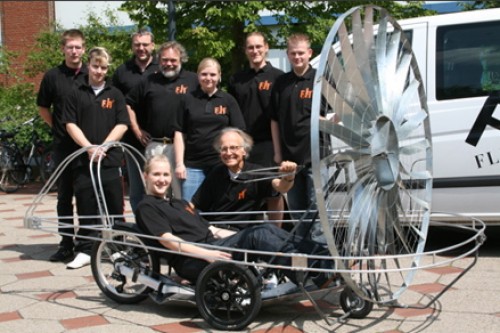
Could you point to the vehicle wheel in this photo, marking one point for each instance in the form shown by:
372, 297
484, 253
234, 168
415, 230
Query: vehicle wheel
8, 180
227, 296
47, 167
107, 254
355, 305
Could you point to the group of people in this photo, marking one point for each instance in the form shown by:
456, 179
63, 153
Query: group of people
207, 137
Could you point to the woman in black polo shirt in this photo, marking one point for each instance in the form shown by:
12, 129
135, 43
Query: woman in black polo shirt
206, 112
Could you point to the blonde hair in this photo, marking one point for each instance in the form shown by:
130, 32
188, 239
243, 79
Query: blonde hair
209, 62
153, 159
99, 54
298, 37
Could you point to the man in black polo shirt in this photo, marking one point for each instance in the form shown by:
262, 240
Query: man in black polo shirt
96, 113
54, 88
291, 104
127, 76
252, 89
224, 189
152, 101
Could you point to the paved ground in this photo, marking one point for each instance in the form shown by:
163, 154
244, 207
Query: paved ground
40, 296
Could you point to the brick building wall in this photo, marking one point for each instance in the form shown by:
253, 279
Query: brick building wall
20, 22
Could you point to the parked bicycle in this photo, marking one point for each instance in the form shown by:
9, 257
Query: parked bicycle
17, 164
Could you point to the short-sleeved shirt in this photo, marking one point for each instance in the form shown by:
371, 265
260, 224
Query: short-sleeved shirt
154, 101
252, 90
218, 193
127, 76
203, 118
55, 87
291, 106
158, 216
96, 116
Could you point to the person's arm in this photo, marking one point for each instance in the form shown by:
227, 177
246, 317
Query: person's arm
116, 133
284, 184
177, 244
141, 135
275, 134
77, 135
180, 168
45, 114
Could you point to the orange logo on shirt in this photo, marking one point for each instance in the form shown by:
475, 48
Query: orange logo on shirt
264, 85
182, 89
241, 195
107, 103
220, 109
305, 93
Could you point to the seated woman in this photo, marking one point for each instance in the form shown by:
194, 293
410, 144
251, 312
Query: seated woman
176, 222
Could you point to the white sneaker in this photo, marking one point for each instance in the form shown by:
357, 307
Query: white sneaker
80, 260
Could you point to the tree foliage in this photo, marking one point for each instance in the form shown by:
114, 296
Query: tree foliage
472, 5
218, 28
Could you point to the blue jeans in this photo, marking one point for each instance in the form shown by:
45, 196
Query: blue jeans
135, 181
194, 178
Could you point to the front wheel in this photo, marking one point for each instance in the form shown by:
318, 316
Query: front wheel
228, 296
355, 305
127, 250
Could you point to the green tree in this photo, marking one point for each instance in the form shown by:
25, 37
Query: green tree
46, 52
218, 28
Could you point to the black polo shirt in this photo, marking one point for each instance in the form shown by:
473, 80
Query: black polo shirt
56, 85
252, 90
127, 76
218, 193
203, 118
154, 102
291, 105
96, 116
158, 216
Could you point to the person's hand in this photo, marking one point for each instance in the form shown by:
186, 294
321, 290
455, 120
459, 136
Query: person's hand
218, 255
180, 171
288, 167
143, 137
96, 153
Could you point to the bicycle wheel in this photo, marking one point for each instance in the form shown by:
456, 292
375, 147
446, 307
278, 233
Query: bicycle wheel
9, 178
376, 199
47, 167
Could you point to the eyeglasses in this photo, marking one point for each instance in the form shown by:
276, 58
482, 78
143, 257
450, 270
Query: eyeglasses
141, 44
230, 149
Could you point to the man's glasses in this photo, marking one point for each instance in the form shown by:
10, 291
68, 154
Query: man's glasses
230, 149
141, 44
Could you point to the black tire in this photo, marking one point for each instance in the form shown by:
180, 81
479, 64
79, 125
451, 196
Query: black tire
106, 254
9, 177
228, 296
356, 306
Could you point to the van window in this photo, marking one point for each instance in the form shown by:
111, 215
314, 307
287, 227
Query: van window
467, 60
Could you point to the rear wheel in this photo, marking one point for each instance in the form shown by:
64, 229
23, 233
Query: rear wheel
128, 250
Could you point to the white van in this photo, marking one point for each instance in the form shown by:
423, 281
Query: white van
459, 59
